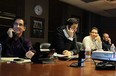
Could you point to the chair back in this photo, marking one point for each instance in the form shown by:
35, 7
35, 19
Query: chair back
45, 45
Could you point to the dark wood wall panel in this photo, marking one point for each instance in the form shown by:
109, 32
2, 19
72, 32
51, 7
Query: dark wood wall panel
112, 34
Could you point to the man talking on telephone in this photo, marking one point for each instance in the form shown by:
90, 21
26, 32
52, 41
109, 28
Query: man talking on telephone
65, 38
13, 44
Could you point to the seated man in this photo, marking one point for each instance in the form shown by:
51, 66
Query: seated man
13, 45
65, 40
92, 42
106, 42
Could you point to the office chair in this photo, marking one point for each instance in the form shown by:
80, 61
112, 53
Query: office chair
45, 45
46, 52
43, 55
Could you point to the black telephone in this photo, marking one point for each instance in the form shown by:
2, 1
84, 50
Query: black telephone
15, 35
68, 27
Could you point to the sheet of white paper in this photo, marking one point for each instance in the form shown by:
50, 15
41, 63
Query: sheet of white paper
44, 50
11, 59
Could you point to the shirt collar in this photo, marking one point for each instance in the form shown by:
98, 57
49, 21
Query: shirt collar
65, 33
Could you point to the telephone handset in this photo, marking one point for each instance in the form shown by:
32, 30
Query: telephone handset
15, 35
70, 31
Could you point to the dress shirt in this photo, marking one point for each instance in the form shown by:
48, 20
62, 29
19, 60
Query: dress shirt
15, 47
67, 36
91, 44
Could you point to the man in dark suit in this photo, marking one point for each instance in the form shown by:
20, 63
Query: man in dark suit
106, 42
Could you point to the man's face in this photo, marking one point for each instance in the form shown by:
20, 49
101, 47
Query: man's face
74, 27
18, 26
106, 37
94, 33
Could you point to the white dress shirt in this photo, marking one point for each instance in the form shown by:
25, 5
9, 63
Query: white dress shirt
90, 44
66, 35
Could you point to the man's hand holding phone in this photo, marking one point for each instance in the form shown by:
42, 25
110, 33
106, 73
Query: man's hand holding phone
10, 32
70, 31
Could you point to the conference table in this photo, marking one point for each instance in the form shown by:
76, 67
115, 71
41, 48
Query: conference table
58, 68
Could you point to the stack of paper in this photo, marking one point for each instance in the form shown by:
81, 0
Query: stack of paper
14, 60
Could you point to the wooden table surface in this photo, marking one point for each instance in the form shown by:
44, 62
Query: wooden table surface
59, 68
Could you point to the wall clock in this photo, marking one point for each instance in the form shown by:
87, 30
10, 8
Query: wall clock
38, 9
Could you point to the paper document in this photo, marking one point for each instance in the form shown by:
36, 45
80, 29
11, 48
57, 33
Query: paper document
44, 50
8, 58
61, 55
14, 60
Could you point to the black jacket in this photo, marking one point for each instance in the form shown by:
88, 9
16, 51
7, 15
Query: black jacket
105, 45
61, 43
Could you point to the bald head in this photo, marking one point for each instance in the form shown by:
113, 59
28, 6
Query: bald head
106, 36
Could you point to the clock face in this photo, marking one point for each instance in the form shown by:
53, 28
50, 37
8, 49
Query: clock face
38, 10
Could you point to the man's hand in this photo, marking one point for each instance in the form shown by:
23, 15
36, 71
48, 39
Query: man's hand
29, 54
98, 38
109, 40
70, 32
67, 53
10, 32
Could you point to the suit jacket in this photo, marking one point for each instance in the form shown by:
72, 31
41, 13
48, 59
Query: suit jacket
105, 45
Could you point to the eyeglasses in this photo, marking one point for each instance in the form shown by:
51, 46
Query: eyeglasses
94, 32
20, 24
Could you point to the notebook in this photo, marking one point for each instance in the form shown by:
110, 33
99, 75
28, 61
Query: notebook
14, 60
64, 57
